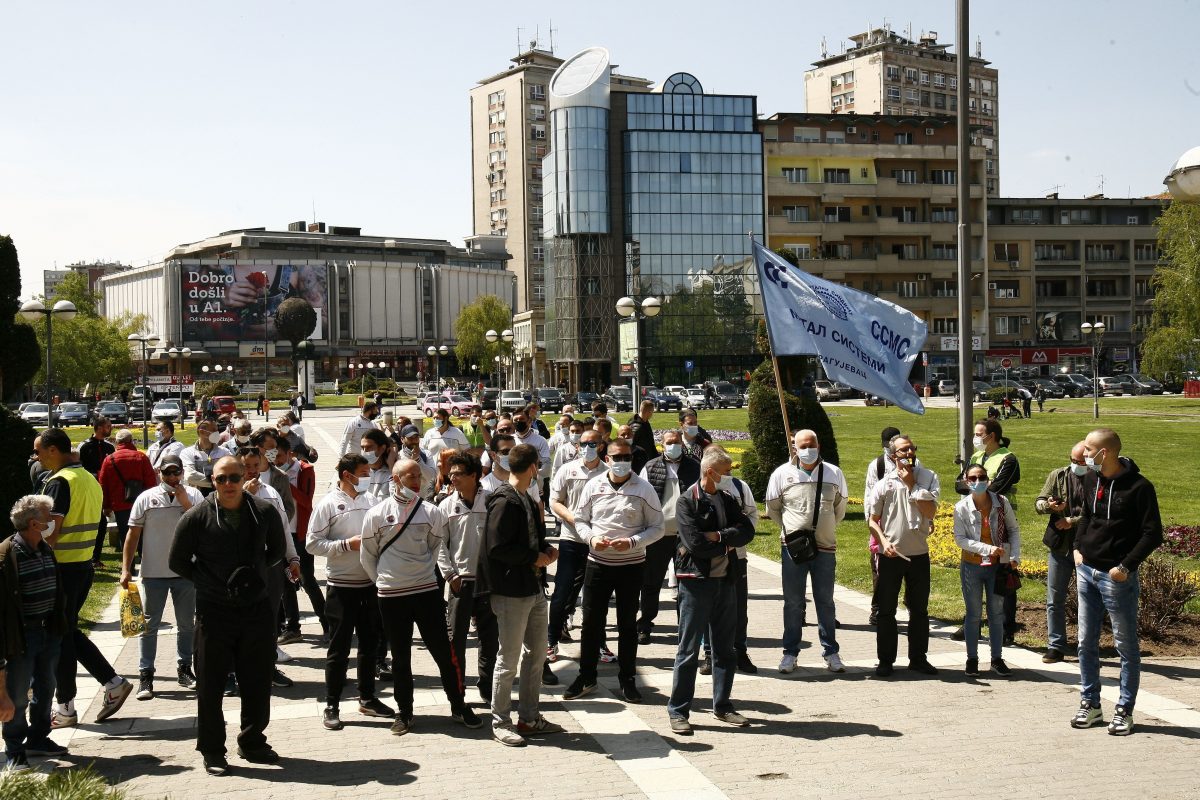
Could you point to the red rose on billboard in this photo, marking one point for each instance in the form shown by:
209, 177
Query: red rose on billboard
259, 279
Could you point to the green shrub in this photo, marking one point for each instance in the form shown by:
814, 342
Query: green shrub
996, 393
17, 435
61, 784
222, 388
1164, 591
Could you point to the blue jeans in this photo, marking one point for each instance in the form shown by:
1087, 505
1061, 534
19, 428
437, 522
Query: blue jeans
795, 576
183, 597
977, 582
705, 604
568, 580
32, 668
1058, 575
1099, 593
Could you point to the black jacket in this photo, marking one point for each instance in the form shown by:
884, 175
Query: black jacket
512, 542
688, 470
1121, 523
207, 552
12, 628
643, 437
696, 517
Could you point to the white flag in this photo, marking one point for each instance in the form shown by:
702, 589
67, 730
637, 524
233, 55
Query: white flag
862, 341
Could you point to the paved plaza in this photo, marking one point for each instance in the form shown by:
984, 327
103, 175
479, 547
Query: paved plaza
813, 733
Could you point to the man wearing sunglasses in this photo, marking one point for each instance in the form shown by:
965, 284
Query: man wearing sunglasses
226, 546
618, 515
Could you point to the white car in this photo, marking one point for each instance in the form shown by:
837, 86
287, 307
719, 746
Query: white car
678, 391
694, 398
166, 410
36, 414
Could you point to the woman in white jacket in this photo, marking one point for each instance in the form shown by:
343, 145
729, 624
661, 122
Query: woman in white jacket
985, 527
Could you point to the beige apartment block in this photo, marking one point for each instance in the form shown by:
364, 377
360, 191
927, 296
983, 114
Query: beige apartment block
892, 75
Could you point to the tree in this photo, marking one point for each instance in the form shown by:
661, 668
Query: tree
488, 313
295, 320
771, 447
1171, 346
19, 355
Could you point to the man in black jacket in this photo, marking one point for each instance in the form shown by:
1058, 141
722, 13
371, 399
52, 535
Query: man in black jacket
671, 474
643, 435
711, 525
226, 545
1119, 529
517, 554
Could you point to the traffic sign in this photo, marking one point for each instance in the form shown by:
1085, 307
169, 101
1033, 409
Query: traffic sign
689, 365
1006, 363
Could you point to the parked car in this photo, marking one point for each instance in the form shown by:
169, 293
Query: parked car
946, 387
166, 410
678, 391
37, 414
1142, 384
512, 399
665, 401
1073, 384
979, 391
694, 398
114, 412
583, 402
847, 391
135, 409
224, 404
618, 398
728, 395
550, 399
875, 400
73, 414
1114, 386
827, 391
457, 403
487, 399
1049, 388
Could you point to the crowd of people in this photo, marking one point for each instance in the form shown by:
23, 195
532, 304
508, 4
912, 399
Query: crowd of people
446, 532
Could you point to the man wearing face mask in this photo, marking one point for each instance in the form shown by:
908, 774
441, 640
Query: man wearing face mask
879, 466
568, 447
562, 430
808, 493
565, 490
358, 425
237, 434
400, 540
265, 440
376, 450
528, 434
475, 432
164, 444
618, 515
695, 438
152, 522
443, 436
1120, 528
503, 442
198, 459
410, 448
670, 474
1062, 500
335, 533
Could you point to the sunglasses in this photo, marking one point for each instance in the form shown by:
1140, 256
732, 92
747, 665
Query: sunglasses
224, 479
504, 452
172, 472
621, 456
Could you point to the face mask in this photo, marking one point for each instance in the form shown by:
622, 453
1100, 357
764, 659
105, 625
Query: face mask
673, 451
590, 452
284, 429
978, 487
214, 437
158, 436
521, 426
371, 457
270, 456
443, 424
620, 469
1079, 469
691, 430
49, 529
493, 422
502, 462
576, 437
242, 439
808, 455
725, 483
362, 484
405, 494
1094, 463
977, 442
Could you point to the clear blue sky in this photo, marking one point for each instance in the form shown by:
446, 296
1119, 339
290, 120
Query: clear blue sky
130, 127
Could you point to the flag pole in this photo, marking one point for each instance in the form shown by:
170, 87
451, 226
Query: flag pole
787, 426
965, 327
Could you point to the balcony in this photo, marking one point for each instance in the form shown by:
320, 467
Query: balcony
891, 226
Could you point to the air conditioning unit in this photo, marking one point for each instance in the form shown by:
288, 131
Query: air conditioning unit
1024, 320
922, 276
1014, 264
851, 129
991, 287
929, 131
1131, 220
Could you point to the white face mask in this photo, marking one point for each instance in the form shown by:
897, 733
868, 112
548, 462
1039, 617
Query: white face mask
673, 451
808, 455
214, 438
590, 453
242, 439
502, 462
405, 494
1079, 469
284, 429
1094, 463
620, 469
371, 457
725, 483
362, 484
49, 529
977, 442
576, 437
691, 430
270, 456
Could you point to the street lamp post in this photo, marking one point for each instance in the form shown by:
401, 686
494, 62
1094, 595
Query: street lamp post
1096, 334
436, 353
505, 336
31, 311
145, 340
627, 308
180, 357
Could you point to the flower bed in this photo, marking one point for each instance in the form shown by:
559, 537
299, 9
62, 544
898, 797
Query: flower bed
1182, 541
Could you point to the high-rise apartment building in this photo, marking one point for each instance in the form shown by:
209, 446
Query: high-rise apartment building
509, 139
889, 74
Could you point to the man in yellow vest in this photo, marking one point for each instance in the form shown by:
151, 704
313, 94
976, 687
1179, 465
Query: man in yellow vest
78, 501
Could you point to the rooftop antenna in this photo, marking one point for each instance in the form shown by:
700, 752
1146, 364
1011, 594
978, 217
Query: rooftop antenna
1101, 177
908, 32
978, 47
824, 48
519, 39
552, 31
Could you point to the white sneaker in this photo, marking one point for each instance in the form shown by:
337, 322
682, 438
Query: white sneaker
280, 656
787, 663
834, 662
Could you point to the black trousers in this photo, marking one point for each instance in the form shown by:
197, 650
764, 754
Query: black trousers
459, 610
76, 579
601, 582
308, 582
349, 610
914, 575
659, 556
240, 640
427, 611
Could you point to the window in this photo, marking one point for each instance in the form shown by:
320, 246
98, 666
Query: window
537, 91
538, 132
944, 288
924, 78
1109, 320
1006, 251
835, 137
1143, 287
806, 134
497, 156
771, 133
906, 252
498, 196
837, 176
987, 86
905, 213
539, 293
893, 93
904, 138
907, 288
945, 177
1027, 216
796, 174
905, 175
939, 100
685, 162
945, 215
945, 325
803, 252
910, 95
496, 138
796, 213
1007, 290
910, 74
1008, 326
841, 250
837, 214
1146, 252
892, 73
943, 251
535, 214
1077, 216
953, 82
497, 117
939, 79
537, 253
1102, 252
496, 98
537, 112
987, 106
1052, 252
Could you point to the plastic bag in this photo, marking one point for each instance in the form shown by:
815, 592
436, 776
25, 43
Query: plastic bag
133, 618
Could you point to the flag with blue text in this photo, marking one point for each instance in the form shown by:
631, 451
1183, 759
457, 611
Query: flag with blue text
862, 340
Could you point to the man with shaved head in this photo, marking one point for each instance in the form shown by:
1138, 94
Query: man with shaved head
1062, 499
1119, 528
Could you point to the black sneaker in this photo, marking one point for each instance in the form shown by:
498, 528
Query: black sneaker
374, 708
261, 755
960, 634
630, 692
466, 717
231, 685
185, 676
281, 680
883, 670
17, 763
565, 635
972, 670
331, 719
548, 676
1000, 668
145, 689
744, 664
706, 665
215, 764
402, 724
579, 688
643, 637
288, 637
923, 667
45, 747
1010, 640
383, 670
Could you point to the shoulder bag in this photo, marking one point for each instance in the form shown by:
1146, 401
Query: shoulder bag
802, 544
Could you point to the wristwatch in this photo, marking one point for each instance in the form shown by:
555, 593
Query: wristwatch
1124, 570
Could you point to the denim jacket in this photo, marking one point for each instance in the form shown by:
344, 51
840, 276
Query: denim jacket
968, 523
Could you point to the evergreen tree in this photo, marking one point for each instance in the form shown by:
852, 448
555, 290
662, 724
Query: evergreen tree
18, 363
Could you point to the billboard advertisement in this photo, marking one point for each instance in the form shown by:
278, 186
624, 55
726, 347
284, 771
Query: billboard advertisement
1059, 326
627, 345
237, 302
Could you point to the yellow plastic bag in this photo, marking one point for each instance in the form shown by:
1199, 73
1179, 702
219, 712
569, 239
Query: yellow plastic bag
133, 618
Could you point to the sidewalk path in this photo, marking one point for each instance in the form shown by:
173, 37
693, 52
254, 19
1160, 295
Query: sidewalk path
814, 734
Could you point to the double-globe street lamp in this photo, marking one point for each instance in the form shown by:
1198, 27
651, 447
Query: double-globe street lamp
146, 340
628, 308
434, 353
64, 310
1094, 332
505, 336
180, 356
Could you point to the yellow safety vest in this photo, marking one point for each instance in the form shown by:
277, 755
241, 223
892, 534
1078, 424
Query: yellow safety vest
992, 464
77, 538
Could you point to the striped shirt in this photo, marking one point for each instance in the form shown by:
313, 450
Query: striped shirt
630, 510
37, 578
